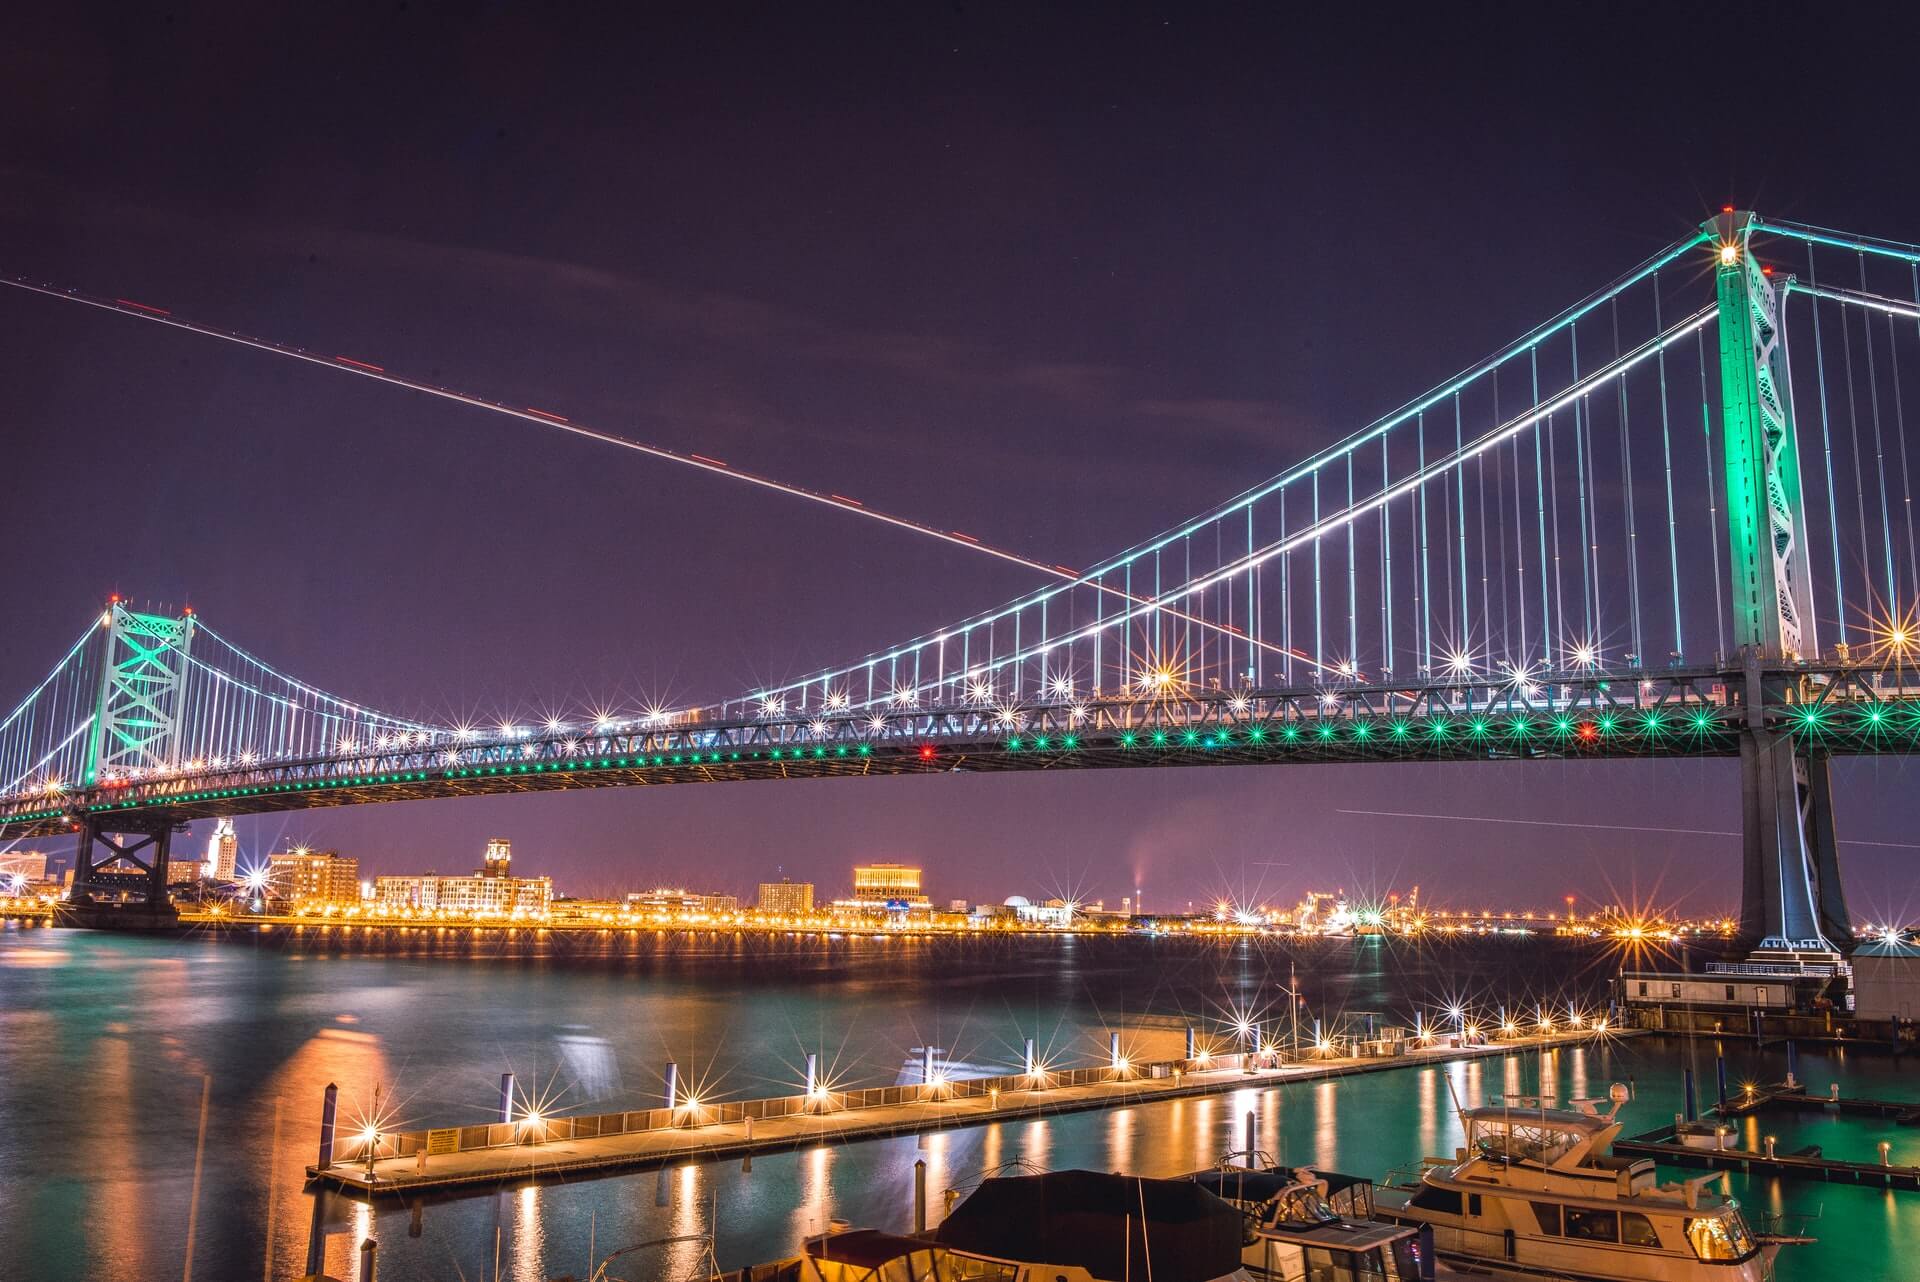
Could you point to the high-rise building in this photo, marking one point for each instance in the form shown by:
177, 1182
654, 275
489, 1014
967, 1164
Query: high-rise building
223, 852
786, 898
499, 860
314, 877
888, 883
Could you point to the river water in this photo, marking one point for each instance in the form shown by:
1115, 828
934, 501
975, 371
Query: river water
113, 1048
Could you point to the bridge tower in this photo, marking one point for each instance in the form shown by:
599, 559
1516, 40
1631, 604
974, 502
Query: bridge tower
1791, 901
136, 724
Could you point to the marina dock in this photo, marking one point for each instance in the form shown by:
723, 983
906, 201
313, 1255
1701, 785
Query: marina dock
565, 1148
1806, 1164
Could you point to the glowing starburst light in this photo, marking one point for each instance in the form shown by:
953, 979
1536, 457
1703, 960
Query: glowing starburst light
836, 700
903, 696
1060, 686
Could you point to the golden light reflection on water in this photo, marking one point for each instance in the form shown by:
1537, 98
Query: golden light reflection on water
1326, 1129
814, 1208
529, 1236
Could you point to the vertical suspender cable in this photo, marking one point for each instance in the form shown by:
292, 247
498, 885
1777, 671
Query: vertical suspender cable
1426, 578
1353, 595
1486, 584
1902, 609
1386, 559
1580, 494
1253, 607
1826, 442
1319, 650
1879, 451
1853, 436
1666, 455
1463, 631
1626, 486
1549, 482
1286, 598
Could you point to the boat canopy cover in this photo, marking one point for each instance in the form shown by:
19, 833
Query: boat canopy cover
1239, 1185
864, 1248
1093, 1220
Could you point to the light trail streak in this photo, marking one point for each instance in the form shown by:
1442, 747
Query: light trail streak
548, 419
1538, 823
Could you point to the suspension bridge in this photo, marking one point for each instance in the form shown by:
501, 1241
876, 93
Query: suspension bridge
1675, 520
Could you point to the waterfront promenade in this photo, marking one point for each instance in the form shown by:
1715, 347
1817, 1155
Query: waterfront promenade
399, 1171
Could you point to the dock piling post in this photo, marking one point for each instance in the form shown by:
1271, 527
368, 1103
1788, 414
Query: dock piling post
1031, 1067
1720, 1077
1886, 1152
1769, 1146
506, 1097
813, 1076
1190, 1043
673, 1085
1253, 1131
369, 1250
329, 1111
1693, 1109
1793, 1065
919, 1195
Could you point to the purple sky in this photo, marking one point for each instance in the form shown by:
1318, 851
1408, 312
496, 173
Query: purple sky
1056, 280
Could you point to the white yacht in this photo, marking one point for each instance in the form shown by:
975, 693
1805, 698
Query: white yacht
1536, 1194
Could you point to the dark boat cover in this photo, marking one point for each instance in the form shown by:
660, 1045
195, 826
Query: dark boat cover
1093, 1220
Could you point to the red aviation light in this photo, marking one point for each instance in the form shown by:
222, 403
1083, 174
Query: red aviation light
926, 752
1588, 732
1726, 209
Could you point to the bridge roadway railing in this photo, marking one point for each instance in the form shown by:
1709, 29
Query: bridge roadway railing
1835, 708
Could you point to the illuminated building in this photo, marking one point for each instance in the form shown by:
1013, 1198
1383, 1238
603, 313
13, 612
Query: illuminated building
881, 884
463, 896
223, 851
786, 898
663, 899
499, 858
26, 865
313, 877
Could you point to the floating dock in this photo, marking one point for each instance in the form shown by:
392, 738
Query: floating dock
1807, 1164
565, 1148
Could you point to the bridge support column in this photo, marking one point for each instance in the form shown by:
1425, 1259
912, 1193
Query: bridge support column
1791, 900
100, 869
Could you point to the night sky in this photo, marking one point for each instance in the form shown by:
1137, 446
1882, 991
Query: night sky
1056, 279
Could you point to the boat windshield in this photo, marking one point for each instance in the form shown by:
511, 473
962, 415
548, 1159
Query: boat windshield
1301, 1205
1522, 1140
1721, 1237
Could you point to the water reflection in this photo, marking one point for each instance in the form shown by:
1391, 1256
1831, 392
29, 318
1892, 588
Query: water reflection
139, 1019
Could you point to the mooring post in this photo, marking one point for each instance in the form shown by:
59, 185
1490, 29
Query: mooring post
1253, 1130
506, 1097
369, 1251
919, 1195
673, 1085
1793, 1065
329, 1111
1720, 1076
1693, 1109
